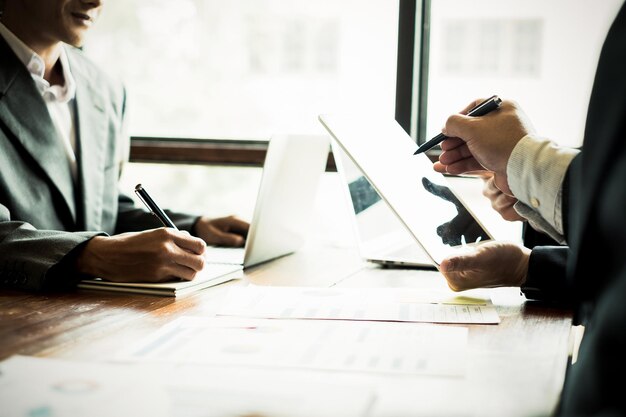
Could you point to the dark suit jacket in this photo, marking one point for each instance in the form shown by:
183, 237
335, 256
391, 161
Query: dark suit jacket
595, 282
43, 214
597, 237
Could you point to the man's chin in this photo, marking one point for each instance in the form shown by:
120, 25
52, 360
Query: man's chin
75, 40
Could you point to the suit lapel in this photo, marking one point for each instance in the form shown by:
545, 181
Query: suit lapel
24, 113
92, 138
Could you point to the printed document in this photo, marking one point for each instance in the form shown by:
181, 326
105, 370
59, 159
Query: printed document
376, 304
407, 348
32, 386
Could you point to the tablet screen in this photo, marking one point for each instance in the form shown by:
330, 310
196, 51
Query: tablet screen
382, 153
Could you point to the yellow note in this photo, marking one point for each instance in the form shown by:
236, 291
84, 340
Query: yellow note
437, 297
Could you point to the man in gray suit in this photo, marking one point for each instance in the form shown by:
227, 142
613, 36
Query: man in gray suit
62, 147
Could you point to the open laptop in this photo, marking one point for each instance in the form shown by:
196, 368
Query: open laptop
381, 238
421, 199
285, 201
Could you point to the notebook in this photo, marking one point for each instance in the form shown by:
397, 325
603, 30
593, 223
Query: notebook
421, 199
211, 275
381, 238
285, 202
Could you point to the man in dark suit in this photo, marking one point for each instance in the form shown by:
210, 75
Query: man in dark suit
62, 147
589, 274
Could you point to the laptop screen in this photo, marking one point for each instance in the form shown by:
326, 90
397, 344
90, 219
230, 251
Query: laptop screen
377, 228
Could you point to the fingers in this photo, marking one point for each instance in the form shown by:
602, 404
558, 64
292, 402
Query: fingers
461, 167
192, 244
182, 253
178, 253
489, 188
455, 154
501, 183
456, 158
237, 225
439, 167
185, 258
466, 167
175, 271
180, 258
227, 239
225, 231
451, 143
184, 273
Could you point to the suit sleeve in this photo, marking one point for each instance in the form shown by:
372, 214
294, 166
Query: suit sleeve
532, 237
30, 259
546, 278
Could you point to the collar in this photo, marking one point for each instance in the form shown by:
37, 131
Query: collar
36, 67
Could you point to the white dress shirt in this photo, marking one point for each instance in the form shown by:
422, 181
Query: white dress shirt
535, 172
58, 98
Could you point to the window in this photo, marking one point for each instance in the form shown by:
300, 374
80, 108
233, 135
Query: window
230, 71
242, 69
541, 54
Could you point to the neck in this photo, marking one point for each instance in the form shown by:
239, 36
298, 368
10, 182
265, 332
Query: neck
47, 48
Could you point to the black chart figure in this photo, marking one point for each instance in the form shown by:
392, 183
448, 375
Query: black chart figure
463, 225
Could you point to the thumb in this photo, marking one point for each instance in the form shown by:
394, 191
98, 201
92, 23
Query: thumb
459, 263
456, 126
449, 265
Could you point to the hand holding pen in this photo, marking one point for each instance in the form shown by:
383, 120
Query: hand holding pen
492, 103
484, 144
154, 255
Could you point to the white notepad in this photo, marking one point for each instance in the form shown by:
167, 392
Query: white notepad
211, 275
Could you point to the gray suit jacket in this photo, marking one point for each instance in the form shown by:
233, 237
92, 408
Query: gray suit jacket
44, 216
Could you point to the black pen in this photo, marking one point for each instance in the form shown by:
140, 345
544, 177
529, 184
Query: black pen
152, 206
481, 109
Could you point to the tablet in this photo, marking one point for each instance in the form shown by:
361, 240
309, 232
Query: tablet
421, 198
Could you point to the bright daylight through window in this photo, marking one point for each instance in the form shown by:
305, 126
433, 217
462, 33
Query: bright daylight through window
247, 68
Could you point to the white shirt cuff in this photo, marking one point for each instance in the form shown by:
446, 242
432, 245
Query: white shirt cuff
535, 173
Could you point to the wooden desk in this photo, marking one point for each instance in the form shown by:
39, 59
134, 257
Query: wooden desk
515, 368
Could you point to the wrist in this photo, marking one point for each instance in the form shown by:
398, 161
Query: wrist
87, 262
198, 225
